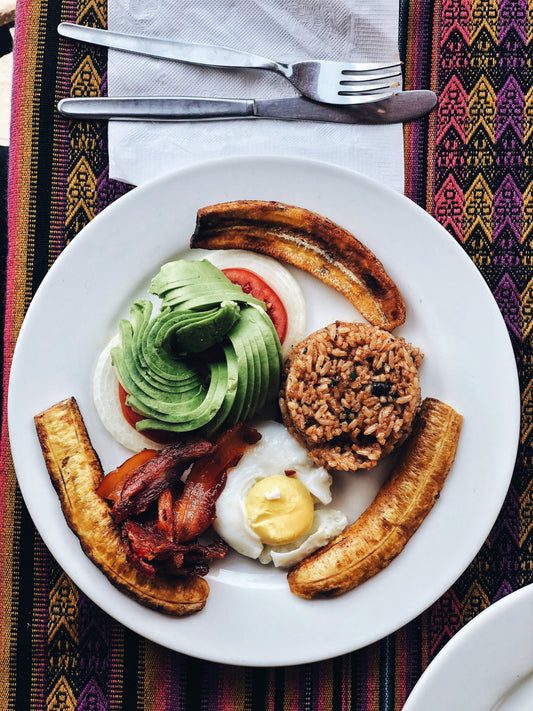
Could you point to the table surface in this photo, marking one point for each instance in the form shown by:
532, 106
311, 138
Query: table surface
469, 165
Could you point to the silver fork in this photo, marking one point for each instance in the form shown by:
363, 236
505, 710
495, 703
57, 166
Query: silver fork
321, 80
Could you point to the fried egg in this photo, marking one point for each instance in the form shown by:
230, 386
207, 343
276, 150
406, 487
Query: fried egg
273, 507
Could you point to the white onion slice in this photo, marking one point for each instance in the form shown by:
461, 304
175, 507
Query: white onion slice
279, 278
107, 403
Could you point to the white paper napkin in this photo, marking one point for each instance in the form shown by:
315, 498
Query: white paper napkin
284, 30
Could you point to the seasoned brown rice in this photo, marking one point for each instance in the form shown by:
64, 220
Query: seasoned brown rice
350, 394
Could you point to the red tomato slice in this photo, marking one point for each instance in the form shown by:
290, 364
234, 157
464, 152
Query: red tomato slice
132, 417
253, 284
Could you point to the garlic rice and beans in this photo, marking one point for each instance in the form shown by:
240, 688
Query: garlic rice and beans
350, 394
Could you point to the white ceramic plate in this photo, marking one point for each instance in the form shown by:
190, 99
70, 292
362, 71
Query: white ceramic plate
251, 618
487, 666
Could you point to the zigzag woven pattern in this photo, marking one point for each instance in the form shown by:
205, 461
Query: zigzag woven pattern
470, 165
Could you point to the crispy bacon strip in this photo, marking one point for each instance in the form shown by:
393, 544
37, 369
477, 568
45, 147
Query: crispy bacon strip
194, 511
195, 557
144, 546
113, 482
151, 552
148, 481
164, 515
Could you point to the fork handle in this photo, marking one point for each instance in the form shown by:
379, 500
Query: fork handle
189, 53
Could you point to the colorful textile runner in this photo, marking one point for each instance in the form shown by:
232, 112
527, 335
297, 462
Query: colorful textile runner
469, 164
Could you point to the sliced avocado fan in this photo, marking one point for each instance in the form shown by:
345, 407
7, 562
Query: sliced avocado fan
210, 358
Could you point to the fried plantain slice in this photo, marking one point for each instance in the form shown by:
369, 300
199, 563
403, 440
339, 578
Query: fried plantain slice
76, 472
309, 241
382, 531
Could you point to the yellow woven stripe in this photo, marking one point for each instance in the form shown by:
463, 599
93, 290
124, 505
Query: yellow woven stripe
63, 658
154, 678
479, 196
9, 589
26, 82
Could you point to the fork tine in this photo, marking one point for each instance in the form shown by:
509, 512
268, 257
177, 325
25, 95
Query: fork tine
361, 67
358, 99
369, 88
361, 78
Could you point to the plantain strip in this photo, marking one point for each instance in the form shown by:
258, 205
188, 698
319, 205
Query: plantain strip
310, 242
382, 531
76, 472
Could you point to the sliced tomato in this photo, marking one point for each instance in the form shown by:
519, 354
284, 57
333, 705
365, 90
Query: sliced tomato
113, 483
132, 417
253, 284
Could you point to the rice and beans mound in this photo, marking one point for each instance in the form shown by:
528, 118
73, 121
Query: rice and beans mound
350, 394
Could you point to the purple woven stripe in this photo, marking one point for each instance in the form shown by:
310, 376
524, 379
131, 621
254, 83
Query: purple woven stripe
509, 180
41, 590
501, 553
95, 634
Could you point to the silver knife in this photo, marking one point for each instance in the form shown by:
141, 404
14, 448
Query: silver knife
398, 108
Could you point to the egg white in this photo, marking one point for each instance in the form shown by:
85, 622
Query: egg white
327, 523
276, 452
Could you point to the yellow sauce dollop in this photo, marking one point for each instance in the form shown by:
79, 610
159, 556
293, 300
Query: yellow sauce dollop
279, 509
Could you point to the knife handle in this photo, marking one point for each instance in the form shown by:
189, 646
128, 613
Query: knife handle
158, 107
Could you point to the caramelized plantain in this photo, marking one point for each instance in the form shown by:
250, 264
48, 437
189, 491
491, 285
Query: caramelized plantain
309, 241
382, 531
76, 473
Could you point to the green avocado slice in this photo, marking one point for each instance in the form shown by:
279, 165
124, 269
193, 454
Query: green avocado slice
239, 356
153, 370
157, 384
203, 329
262, 363
249, 339
189, 284
238, 337
210, 358
275, 354
148, 399
194, 419
222, 416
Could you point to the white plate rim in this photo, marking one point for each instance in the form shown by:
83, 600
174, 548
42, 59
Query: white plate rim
270, 653
484, 662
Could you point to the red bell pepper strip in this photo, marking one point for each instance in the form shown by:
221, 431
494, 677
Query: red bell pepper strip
111, 485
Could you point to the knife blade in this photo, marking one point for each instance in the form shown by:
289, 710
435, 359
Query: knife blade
396, 108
